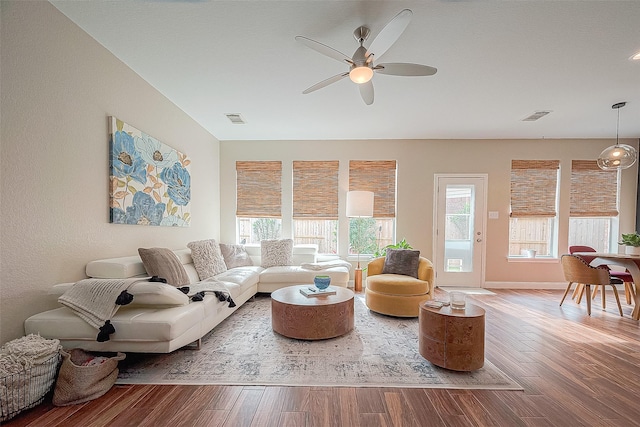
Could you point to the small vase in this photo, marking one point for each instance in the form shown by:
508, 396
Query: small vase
322, 282
632, 250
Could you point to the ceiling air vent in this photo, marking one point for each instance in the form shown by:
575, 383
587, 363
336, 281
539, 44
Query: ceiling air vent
235, 118
535, 116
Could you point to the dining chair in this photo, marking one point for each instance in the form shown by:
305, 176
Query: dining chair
576, 270
625, 276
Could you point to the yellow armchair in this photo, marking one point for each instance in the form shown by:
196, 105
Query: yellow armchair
396, 294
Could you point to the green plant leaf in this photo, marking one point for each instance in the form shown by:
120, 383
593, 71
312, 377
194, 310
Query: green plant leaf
631, 239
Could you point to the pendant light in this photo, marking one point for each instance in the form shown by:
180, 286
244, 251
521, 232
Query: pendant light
619, 156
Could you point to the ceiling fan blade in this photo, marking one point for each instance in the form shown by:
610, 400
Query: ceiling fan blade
390, 33
324, 49
405, 69
326, 82
366, 91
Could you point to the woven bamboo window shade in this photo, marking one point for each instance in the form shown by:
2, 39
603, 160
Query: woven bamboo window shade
259, 189
594, 192
534, 185
315, 189
378, 176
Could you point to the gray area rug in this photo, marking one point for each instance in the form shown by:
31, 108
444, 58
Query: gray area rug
381, 351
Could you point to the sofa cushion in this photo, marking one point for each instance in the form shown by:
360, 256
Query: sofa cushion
294, 274
207, 258
401, 261
235, 255
116, 268
162, 262
241, 275
276, 252
151, 324
397, 284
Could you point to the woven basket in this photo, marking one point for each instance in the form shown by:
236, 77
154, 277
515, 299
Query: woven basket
77, 383
24, 390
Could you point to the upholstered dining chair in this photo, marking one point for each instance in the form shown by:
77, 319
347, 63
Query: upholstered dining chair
625, 276
576, 270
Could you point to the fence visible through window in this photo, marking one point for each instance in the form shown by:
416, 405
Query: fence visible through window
530, 233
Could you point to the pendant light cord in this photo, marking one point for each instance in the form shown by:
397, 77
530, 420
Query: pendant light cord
618, 106
618, 128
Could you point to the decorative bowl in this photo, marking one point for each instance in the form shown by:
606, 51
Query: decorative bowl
322, 282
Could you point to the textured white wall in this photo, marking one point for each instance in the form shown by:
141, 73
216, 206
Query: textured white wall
418, 161
58, 88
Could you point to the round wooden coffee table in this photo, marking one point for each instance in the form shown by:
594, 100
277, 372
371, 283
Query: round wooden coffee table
311, 318
452, 339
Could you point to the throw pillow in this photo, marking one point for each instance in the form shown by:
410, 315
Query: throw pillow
235, 255
162, 262
401, 261
276, 253
154, 293
207, 258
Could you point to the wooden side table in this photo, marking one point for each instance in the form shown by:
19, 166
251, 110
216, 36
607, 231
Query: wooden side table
452, 339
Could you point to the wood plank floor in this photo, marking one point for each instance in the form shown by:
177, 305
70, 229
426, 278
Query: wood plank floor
575, 370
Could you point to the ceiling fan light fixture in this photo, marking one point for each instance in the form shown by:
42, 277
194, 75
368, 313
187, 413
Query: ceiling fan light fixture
361, 74
619, 156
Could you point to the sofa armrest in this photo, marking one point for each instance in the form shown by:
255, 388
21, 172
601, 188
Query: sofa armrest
425, 270
375, 266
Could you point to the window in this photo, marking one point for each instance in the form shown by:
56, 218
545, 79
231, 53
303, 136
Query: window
367, 235
258, 200
534, 189
315, 204
593, 205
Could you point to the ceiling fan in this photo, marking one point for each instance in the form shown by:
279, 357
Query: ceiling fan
361, 64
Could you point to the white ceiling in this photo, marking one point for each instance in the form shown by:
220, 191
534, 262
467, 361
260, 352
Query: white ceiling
497, 61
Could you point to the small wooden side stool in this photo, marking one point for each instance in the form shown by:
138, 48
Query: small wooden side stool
452, 339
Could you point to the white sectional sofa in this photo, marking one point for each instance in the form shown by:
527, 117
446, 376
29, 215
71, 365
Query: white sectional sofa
161, 318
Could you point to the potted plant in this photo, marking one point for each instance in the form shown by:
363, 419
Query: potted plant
402, 244
632, 243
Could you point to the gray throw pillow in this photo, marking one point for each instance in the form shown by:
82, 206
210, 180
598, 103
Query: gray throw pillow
207, 258
276, 253
235, 255
401, 261
162, 262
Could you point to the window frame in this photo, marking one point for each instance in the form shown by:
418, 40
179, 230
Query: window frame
258, 193
530, 184
380, 177
587, 204
315, 192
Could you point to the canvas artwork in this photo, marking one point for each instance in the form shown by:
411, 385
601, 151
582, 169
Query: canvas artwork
150, 183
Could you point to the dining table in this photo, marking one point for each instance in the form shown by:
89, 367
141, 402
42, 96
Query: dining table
628, 261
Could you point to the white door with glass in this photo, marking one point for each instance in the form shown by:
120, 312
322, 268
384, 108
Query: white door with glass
459, 212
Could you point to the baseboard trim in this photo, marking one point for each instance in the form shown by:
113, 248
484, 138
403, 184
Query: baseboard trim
525, 285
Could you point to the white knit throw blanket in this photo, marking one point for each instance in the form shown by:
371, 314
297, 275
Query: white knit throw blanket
23, 353
207, 285
94, 300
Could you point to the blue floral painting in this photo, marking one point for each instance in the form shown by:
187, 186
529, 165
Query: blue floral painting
150, 183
